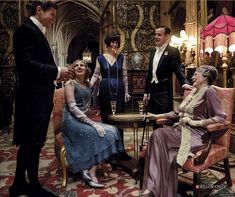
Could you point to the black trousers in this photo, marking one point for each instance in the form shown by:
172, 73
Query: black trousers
161, 100
27, 160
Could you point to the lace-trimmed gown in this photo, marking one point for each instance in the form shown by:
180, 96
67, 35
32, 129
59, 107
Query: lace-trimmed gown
84, 147
111, 86
161, 170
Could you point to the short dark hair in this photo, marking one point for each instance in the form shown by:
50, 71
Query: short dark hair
167, 29
110, 37
45, 5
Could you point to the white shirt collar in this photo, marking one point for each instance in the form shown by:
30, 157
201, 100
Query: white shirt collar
39, 25
162, 48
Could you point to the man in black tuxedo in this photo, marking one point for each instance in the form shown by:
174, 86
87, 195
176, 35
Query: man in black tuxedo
164, 61
36, 73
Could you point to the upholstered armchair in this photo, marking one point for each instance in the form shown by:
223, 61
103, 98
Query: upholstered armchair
59, 148
213, 152
59, 140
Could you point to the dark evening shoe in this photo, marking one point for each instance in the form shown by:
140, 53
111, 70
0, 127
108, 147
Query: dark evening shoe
15, 191
39, 191
124, 156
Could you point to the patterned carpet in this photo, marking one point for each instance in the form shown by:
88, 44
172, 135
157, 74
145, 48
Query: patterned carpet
117, 184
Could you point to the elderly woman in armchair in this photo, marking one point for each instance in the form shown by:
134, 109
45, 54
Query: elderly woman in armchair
170, 146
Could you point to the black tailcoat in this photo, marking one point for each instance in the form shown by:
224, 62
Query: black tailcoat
35, 74
169, 63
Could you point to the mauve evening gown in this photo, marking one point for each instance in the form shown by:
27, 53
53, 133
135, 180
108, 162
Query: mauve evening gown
161, 168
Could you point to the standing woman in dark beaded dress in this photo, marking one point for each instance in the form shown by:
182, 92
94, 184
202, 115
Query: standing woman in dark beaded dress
111, 65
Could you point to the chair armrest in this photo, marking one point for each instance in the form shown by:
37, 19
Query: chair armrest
164, 121
198, 160
211, 128
218, 126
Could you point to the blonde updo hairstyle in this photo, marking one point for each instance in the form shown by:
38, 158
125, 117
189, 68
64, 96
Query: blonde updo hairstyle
88, 70
210, 72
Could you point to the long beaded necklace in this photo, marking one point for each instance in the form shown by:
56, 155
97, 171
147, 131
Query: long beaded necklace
110, 80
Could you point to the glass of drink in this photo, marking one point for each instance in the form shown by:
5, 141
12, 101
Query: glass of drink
141, 107
113, 107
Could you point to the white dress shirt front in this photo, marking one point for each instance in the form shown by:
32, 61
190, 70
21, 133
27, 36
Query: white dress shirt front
156, 59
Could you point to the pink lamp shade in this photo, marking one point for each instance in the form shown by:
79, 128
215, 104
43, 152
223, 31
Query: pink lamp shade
219, 35
201, 47
220, 43
232, 42
208, 44
223, 24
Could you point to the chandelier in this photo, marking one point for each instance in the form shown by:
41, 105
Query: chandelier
87, 55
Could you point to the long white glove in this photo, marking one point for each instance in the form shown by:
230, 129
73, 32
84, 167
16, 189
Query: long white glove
100, 130
82, 117
194, 123
127, 97
146, 98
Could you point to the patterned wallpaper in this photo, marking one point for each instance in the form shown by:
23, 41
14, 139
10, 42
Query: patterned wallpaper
136, 22
8, 24
98, 3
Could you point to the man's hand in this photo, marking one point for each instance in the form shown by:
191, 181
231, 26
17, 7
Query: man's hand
66, 74
187, 87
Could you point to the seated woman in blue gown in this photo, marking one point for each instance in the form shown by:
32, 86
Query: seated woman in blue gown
87, 143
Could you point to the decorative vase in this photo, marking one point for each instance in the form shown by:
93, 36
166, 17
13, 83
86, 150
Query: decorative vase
137, 60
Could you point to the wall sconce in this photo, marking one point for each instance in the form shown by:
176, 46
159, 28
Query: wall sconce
86, 55
185, 43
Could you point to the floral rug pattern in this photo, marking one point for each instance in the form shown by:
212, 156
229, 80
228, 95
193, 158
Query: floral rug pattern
117, 183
